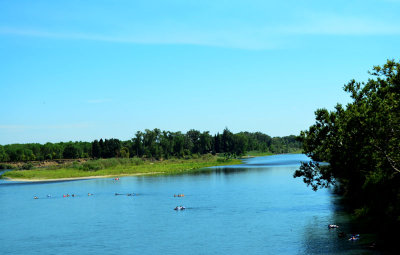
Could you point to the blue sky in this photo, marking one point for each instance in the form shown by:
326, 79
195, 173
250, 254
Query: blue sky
82, 70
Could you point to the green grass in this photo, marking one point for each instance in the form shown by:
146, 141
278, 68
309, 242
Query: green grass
260, 153
298, 151
118, 167
257, 153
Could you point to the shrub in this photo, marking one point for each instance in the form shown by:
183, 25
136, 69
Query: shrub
6, 166
111, 162
92, 166
137, 161
27, 166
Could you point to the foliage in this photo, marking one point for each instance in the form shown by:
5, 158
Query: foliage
27, 166
49, 151
153, 144
361, 144
5, 166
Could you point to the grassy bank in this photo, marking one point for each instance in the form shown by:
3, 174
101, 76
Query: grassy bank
118, 167
261, 153
257, 154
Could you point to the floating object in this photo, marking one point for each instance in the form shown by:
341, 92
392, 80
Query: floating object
179, 195
179, 208
127, 194
35, 197
354, 237
332, 226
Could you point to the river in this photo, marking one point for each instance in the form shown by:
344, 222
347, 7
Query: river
254, 208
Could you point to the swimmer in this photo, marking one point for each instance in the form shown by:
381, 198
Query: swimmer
354, 237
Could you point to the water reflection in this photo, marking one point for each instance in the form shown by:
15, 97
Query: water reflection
323, 240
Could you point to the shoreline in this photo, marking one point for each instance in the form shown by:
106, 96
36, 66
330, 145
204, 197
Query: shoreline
77, 178
44, 180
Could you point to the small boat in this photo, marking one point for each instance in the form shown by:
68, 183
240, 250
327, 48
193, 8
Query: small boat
179, 208
332, 226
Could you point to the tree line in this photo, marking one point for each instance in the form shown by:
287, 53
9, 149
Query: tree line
361, 143
153, 144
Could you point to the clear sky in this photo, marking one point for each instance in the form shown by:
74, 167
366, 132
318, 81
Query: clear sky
84, 70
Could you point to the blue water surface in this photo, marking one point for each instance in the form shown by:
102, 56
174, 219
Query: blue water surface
254, 208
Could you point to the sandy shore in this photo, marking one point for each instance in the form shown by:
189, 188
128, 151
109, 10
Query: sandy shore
77, 178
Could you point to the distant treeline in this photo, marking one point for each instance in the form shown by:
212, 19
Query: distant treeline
153, 144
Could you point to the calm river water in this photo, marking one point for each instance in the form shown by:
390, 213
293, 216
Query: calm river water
254, 208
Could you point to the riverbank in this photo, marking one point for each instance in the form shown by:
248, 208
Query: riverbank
115, 167
77, 178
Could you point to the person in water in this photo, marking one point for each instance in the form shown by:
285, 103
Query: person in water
354, 237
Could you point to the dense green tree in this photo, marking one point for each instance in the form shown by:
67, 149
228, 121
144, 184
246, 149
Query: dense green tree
124, 152
96, 149
47, 151
227, 141
71, 151
240, 143
111, 148
3, 155
193, 144
361, 144
137, 144
179, 145
151, 144
205, 143
217, 144
57, 151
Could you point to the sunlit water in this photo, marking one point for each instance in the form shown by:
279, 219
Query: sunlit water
254, 208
